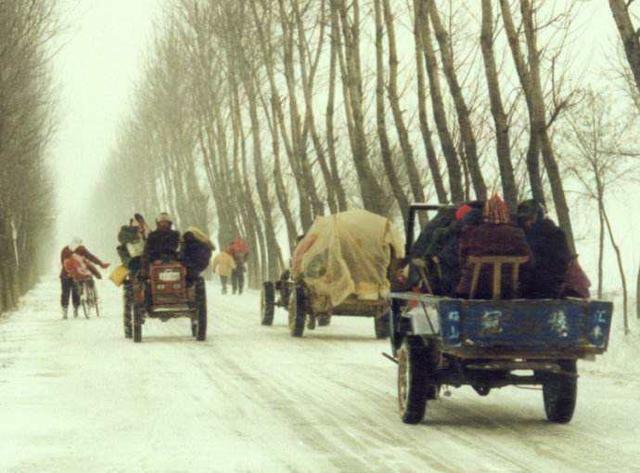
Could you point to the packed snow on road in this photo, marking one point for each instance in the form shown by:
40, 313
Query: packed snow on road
75, 395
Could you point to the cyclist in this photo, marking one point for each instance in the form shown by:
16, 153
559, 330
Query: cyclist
76, 260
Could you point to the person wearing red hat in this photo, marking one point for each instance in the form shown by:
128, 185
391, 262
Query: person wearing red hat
496, 236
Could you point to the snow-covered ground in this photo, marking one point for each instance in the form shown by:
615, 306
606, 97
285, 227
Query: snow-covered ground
76, 396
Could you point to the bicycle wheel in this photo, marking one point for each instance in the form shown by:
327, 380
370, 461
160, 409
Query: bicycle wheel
94, 299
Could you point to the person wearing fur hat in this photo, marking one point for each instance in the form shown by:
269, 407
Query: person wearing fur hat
496, 236
75, 252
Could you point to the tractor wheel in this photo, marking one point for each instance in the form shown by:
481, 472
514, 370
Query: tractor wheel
201, 305
267, 303
136, 324
296, 312
559, 392
416, 362
128, 310
382, 326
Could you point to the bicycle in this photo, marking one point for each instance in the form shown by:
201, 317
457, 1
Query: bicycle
88, 296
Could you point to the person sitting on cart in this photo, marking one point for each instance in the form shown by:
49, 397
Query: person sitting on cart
443, 249
195, 253
496, 236
131, 238
551, 254
69, 289
162, 243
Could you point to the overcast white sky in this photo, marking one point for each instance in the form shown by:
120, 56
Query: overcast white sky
101, 57
103, 45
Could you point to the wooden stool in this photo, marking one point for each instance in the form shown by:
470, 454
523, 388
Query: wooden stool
496, 262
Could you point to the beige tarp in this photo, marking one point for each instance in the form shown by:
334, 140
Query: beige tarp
347, 254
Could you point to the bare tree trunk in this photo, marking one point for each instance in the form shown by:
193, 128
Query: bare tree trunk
307, 75
370, 189
297, 135
331, 139
600, 246
628, 34
623, 279
533, 152
439, 113
462, 111
548, 155
503, 146
281, 191
265, 43
394, 100
385, 148
432, 160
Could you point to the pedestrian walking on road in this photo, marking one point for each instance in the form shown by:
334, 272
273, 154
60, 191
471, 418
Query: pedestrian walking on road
224, 266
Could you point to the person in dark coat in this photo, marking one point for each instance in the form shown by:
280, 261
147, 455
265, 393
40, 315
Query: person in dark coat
551, 254
494, 237
444, 248
195, 253
131, 239
162, 243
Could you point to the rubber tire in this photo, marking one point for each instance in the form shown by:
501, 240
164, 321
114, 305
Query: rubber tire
201, 307
559, 393
267, 303
382, 326
128, 311
93, 298
136, 325
413, 360
296, 312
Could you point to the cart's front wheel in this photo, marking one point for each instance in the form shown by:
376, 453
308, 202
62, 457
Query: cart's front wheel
136, 324
201, 307
382, 326
414, 368
559, 392
296, 312
128, 309
267, 303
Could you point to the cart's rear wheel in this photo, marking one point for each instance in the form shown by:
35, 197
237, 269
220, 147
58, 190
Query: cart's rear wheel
296, 312
415, 363
136, 324
267, 303
128, 310
201, 307
559, 393
382, 326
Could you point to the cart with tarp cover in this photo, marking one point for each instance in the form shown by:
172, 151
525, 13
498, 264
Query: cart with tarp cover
441, 341
341, 267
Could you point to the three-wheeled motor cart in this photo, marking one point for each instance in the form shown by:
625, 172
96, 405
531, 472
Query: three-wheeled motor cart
441, 341
341, 267
165, 295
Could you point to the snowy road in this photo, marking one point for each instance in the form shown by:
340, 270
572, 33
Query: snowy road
76, 396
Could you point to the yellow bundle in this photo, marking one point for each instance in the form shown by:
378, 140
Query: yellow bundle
119, 274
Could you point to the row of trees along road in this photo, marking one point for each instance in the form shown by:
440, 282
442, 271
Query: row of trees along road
252, 118
26, 30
